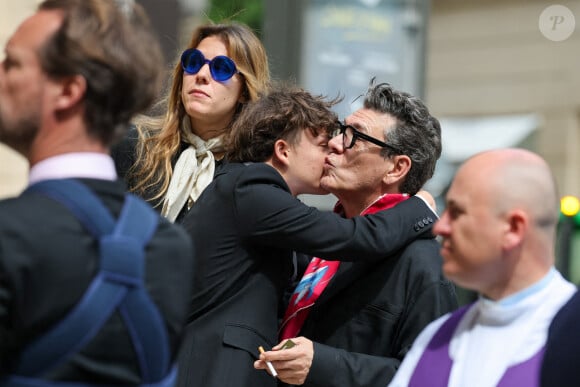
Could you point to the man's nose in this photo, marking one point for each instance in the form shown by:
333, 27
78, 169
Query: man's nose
335, 144
441, 227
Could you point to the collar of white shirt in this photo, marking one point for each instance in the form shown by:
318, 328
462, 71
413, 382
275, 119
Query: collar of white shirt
78, 165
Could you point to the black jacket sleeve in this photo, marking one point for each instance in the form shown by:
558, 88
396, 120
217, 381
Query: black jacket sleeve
270, 216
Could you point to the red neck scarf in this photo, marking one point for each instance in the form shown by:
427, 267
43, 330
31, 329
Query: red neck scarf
319, 273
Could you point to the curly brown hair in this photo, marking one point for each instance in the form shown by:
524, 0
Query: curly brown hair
282, 114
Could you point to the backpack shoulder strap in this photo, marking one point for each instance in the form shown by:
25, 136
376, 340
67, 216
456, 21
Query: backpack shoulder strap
123, 253
80, 200
118, 284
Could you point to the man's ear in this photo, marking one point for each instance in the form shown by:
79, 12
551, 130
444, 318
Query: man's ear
400, 166
281, 152
516, 225
71, 91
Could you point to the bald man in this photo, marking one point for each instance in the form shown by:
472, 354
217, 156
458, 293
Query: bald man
498, 234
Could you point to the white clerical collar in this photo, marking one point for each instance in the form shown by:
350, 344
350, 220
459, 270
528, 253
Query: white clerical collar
530, 290
87, 165
524, 293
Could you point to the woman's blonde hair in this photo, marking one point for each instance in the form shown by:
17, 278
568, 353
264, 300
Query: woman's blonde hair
160, 137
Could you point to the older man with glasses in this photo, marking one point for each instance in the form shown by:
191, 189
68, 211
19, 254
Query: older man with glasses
357, 320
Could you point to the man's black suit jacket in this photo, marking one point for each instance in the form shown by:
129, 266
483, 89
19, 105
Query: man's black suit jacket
47, 260
367, 318
244, 227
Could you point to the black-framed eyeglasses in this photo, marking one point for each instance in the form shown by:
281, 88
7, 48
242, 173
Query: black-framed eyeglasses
350, 135
221, 67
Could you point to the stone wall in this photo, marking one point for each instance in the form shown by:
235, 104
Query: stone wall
490, 58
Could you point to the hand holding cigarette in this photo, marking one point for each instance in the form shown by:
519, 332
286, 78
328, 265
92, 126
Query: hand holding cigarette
269, 364
293, 359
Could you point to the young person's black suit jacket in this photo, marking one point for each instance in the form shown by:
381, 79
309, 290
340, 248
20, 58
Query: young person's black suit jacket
244, 227
47, 260
367, 318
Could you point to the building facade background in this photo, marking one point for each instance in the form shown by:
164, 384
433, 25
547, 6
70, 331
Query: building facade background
489, 59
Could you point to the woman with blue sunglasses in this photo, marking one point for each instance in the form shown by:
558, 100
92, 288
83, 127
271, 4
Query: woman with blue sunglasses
170, 159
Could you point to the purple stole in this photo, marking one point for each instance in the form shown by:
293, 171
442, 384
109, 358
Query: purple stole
434, 366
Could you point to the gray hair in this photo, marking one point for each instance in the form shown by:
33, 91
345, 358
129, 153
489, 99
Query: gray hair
416, 133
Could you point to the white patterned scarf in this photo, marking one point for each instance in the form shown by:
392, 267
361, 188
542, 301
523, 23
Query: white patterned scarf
193, 171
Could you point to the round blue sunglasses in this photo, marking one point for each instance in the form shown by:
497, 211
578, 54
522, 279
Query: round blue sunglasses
221, 67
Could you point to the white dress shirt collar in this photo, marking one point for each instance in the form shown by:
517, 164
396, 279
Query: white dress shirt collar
74, 165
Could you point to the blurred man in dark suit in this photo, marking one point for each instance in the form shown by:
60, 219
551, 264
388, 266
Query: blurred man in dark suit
84, 298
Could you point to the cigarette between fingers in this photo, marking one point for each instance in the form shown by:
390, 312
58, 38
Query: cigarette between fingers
269, 364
